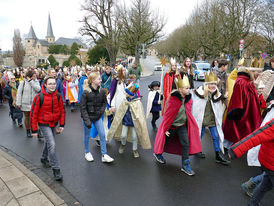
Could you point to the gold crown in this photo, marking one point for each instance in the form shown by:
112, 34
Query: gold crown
242, 62
211, 77
261, 62
182, 82
172, 61
254, 62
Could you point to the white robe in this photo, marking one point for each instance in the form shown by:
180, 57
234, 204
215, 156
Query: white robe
119, 96
198, 111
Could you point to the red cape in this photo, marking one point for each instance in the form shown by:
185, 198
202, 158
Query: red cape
174, 147
167, 87
243, 114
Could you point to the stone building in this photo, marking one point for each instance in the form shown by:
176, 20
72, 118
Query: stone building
36, 50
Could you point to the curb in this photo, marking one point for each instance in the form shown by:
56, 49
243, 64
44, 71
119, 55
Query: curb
55, 199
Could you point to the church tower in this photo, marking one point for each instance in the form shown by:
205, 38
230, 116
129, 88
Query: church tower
50, 37
30, 41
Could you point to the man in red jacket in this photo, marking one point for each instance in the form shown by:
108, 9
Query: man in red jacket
46, 111
264, 136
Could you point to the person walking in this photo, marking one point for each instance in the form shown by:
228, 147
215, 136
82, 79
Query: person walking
46, 111
92, 106
27, 90
10, 91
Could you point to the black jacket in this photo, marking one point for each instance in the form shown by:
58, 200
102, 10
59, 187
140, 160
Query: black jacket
92, 105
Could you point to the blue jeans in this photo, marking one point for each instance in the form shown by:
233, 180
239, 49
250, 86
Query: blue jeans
101, 131
258, 179
133, 134
49, 149
215, 137
265, 186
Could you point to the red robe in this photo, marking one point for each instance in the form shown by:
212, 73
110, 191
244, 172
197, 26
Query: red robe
174, 147
167, 87
243, 114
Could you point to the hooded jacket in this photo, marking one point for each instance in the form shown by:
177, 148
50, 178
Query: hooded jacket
49, 113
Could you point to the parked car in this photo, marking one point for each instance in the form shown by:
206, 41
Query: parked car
200, 69
158, 67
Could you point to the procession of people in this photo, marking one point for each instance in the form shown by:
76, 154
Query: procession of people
234, 109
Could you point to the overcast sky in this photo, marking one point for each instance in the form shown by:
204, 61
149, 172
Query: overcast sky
65, 15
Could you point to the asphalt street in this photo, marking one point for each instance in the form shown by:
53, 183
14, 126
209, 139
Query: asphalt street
133, 182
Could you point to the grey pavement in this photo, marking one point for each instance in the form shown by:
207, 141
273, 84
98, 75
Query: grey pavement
19, 186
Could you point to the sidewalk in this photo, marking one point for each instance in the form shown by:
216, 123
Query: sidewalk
19, 186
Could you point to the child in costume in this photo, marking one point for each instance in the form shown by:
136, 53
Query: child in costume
154, 103
208, 112
169, 80
129, 122
178, 132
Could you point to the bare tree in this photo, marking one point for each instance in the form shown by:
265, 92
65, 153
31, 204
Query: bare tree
18, 50
101, 22
267, 25
140, 26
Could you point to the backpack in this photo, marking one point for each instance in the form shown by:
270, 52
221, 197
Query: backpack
41, 95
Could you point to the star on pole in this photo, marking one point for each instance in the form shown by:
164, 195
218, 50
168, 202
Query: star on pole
163, 61
102, 61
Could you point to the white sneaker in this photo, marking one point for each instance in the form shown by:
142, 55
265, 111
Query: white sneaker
106, 158
89, 157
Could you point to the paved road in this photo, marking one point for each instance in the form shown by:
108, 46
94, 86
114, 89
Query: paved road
130, 181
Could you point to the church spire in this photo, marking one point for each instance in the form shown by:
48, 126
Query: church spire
50, 37
49, 32
31, 34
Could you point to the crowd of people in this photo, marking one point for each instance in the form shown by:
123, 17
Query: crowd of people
236, 108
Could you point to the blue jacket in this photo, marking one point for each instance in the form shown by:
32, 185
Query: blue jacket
80, 86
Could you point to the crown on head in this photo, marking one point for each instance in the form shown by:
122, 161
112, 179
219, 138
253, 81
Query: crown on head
242, 62
172, 61
211, 77
120, 66
182, 82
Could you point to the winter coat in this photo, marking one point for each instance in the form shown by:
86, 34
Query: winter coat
264, 136
26, 92
49, 113
93, 104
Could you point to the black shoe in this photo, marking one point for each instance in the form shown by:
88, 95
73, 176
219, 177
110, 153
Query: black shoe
221, 159
45, 162
57, 175
226, 153
40, 135
159, 158
200, 155
29, 133
97, 142
20, 125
